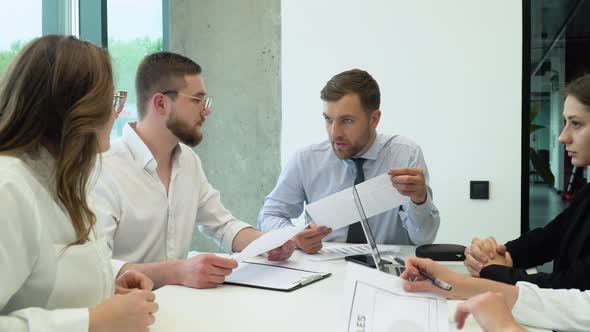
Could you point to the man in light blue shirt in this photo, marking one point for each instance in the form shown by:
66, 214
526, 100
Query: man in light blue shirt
353, 153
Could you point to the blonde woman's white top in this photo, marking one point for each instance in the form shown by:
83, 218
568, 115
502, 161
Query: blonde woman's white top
44, 285
555, 309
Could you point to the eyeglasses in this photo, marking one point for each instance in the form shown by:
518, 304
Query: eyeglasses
119, 101
206, 99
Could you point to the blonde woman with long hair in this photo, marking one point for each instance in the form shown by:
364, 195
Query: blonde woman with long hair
56, 112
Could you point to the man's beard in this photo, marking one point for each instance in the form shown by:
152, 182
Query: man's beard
346, 154
188, 135
353, 150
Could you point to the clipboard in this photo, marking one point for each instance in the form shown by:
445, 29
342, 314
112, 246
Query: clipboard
273, 277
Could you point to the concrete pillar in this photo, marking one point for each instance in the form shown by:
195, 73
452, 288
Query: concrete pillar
237, 43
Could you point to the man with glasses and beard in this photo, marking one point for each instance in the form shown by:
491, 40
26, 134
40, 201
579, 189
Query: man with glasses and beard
353, 153
152, 191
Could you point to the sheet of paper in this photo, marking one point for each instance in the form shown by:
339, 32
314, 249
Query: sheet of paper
341, 251
338, 210
378, 303
268, 241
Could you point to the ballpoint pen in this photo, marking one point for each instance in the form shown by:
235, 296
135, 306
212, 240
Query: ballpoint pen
437, 282
311, 279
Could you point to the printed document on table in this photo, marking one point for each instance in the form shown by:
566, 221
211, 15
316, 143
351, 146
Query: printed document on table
338, 210
378, 303
339, 251
268, 241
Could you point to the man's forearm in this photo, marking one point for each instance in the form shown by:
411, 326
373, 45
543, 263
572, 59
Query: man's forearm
244, 238
268, 222
161, 273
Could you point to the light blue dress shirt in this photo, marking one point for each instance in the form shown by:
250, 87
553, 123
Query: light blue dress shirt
315, 172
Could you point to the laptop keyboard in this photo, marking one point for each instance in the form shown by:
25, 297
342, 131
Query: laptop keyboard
399, 270
395, 269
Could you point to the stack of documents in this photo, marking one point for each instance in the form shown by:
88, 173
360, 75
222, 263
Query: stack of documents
272, 277
338, 251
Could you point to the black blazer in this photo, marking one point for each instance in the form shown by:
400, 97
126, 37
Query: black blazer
566, 240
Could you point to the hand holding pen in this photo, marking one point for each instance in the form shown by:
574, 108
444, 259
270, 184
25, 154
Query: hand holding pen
429, 276
437, 282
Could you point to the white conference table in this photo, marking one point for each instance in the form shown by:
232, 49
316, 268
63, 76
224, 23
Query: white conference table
321, 306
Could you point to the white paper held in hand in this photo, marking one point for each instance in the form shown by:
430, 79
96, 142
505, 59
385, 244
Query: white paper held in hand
338, 210
268, 241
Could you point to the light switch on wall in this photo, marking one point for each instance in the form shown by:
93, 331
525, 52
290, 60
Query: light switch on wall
479, 189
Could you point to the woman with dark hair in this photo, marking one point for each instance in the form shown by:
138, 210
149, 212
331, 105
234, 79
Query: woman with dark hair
566, 240
56, 112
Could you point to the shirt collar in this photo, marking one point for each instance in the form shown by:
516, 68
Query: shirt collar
374, 150
141, 153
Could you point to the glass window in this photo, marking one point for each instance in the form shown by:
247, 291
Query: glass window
557, 56
20, 23
134, 30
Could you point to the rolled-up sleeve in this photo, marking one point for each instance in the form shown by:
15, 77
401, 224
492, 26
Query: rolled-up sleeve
422, 221
213, 219
285, 201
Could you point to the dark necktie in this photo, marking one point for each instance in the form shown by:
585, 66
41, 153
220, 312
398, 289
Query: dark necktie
355, 231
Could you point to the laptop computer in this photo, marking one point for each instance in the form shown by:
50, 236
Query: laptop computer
378, 262
374, 259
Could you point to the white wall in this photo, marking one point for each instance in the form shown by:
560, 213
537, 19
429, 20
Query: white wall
450, 78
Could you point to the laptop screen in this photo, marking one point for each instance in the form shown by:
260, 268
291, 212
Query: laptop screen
379, 263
